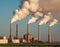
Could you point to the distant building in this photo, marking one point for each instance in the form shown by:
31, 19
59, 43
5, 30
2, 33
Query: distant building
15, 40
24, 41
28, 37
36, 39
3, 40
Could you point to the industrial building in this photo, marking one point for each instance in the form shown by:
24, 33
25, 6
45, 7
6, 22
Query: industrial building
27, 38
3, 40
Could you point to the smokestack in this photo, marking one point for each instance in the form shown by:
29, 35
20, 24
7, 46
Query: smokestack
10, 30
17, 31
38, 32
49, 35
27, 31
27, 28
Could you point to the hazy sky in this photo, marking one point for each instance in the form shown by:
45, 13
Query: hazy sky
6, 12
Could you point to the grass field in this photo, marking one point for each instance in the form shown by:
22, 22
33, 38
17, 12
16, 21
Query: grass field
18, 45
29, 46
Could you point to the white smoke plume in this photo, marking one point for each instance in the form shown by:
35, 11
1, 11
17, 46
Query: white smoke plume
33, 6
32, 20
26, 5
15, 16
22, 13
38, 14
46, 19
55, 21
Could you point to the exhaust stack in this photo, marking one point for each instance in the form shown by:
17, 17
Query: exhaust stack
49, 35
17, 31
27, 28
27, 31
10, 30
38, 32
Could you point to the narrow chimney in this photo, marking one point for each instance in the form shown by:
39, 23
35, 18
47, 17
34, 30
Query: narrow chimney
38, 32
27, 28
27, 32
49, 35
10, 30
16, 30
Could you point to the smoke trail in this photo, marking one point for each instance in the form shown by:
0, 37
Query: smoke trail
46, 19
26, 5
33, 6
55, 21
22, 13
50, 5
32, 20
15, 16
38, 14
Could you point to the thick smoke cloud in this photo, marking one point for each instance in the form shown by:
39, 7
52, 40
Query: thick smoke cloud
22, 13
15, 16
34, 5
32, 20
55, 21
46, 19
38, 8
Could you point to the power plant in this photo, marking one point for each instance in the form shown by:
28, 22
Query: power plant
27, 38
41, 11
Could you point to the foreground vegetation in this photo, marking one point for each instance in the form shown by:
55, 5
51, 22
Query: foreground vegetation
29, 46
26, 45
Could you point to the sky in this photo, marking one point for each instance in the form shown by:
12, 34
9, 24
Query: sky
6, 12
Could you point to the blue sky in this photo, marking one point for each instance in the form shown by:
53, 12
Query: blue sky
6, 12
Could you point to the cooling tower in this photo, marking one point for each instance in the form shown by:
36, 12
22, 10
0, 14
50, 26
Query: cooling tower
17, 31
49, 35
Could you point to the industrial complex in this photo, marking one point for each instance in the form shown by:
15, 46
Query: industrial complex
27, 38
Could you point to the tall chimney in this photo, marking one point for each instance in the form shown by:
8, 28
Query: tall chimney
27, 32
16, 30
27, 28
38, 32
10, 30
49, 35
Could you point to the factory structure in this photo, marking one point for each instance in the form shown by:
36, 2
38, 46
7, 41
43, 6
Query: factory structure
27, 38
